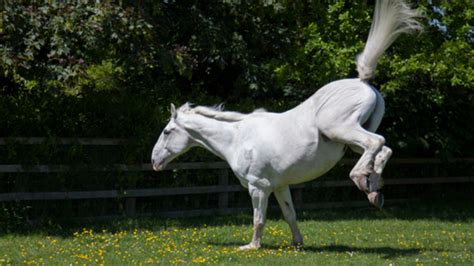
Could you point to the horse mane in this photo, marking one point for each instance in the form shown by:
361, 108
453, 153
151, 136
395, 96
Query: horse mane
216, 112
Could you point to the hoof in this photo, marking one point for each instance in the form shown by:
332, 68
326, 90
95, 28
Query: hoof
298, 246
376, 198
248, 247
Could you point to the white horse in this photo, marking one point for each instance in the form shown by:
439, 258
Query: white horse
270, 151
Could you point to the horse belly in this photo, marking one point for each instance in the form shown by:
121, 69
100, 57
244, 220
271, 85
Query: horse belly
324, 159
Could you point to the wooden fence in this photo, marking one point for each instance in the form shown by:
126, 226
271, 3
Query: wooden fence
222, 188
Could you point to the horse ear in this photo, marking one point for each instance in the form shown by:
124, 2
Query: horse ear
174, 114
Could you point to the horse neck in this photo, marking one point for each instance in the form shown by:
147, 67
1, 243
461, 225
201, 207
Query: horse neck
213, 135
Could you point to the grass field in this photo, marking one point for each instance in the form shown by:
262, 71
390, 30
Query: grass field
415, 234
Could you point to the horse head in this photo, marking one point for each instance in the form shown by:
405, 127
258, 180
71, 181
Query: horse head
173, 141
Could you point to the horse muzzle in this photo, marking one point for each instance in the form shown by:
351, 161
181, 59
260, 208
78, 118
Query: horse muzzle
157, 165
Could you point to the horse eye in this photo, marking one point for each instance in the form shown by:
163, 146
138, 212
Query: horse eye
167, 132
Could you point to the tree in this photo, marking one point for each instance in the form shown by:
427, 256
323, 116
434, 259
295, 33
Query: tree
106, 68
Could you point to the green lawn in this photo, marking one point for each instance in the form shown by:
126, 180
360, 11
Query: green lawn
412, 234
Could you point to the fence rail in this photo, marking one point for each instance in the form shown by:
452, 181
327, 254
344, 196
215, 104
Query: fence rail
65, 141
223, 188
174, 191
19, 168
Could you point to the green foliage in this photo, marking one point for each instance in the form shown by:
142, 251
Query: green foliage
103, 76
325, 49
429, 85
53, 46
111, 70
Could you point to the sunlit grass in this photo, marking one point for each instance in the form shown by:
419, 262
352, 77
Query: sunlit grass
335, 237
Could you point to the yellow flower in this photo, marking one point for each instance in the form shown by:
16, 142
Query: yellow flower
82, 256
199, 260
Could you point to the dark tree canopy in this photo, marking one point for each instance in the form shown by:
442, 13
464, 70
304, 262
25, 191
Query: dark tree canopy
70, 68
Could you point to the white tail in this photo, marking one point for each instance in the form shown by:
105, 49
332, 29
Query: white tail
391, 18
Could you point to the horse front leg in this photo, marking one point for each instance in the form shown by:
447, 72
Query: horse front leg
283, 197
259, 202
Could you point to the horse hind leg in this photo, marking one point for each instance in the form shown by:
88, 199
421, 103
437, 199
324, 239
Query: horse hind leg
375, 181
370, 145
283, 197
372, 182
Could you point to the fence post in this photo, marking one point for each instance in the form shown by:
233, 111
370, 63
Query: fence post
435, 170
130, 203
223, 196
298, 197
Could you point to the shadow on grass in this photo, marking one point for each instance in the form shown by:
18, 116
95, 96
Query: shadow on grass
384, 252
457, 211
452, 211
